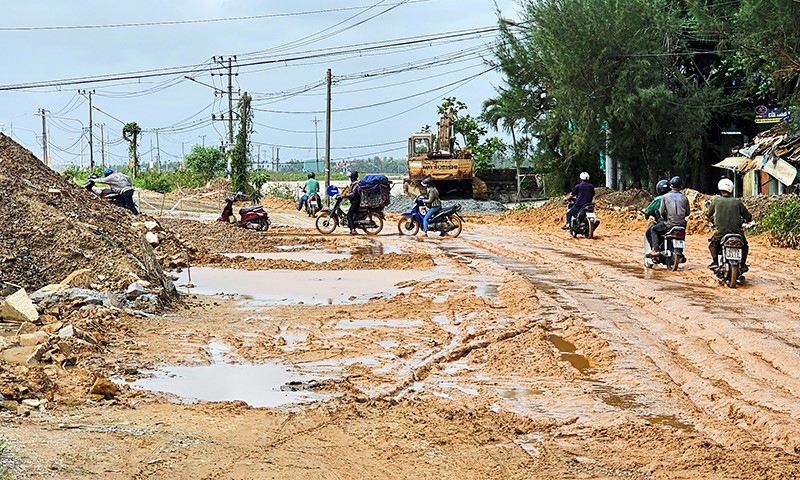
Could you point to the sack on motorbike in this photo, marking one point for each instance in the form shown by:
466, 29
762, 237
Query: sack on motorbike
375, 200
374, 183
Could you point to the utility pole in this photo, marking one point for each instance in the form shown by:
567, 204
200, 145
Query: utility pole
258, 158
44, 135
151, 154
204, 139
222, 61
316, 141
328, 138
158, 152
102, 144
91, 148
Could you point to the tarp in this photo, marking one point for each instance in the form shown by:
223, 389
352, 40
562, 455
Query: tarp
781, 170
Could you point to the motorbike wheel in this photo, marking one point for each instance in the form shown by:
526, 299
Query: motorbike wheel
456, 231
407, 226
733, 276
573, 231
676, 260
378, 220
326, 223
589, 229
263, 225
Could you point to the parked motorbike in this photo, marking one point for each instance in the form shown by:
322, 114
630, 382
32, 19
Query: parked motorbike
447, 221
255, 217
585, 222
730, 270
105, 194
670, 252
368, 219
313, 205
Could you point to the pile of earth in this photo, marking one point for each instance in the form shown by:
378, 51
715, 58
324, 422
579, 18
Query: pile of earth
52, 227
631, 199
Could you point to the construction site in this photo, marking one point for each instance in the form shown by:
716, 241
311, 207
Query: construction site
170, 345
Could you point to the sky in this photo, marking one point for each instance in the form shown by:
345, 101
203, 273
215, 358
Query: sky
392, 63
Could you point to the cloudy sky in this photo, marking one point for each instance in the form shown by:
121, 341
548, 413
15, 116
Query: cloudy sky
392, 63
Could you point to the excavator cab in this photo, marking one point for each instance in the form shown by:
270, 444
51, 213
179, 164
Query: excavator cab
420, 144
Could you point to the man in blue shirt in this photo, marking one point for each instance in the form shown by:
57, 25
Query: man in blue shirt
583, 194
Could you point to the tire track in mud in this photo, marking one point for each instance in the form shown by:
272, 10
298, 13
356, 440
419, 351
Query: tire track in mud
734, 371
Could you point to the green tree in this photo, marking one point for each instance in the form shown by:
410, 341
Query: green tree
241, 151
130, 133
208, 162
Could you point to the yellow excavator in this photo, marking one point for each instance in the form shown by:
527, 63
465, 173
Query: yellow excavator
451, 169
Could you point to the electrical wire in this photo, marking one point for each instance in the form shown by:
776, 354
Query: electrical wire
190, 22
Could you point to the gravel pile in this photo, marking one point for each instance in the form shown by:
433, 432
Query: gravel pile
402, 203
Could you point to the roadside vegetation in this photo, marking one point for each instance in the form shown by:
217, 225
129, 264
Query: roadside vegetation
782, 224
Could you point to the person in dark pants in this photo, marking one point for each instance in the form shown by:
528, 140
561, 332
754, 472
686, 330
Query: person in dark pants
583, 194
120, 184
727, 213
658, 228
354, 195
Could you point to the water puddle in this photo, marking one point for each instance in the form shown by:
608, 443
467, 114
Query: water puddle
518, 393
258, 385
355, 324
315, 256
669, 420
388, 344
568, 353
289, 287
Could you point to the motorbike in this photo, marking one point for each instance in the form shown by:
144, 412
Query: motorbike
447, 221
730, 269
585, 222
313, 205
370, 220
254, 218
670, 252
105, 194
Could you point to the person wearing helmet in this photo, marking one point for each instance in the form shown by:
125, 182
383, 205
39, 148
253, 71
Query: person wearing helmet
673, 210
583, 194
727, 213
658, 227
120, 184
432, 201
354, 195
310, 188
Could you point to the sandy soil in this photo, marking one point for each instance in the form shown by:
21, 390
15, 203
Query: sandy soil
514, 351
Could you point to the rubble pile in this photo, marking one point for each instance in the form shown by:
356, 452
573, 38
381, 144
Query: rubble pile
52, 227
631, 199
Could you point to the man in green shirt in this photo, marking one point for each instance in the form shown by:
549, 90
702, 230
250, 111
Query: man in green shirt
727, 213
310, 189
655, 230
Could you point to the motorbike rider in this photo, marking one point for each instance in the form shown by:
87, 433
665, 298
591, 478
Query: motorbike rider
432, 201
652, 210
674, 209
727, 213
583, 194
354, 195
310, 188
120, 184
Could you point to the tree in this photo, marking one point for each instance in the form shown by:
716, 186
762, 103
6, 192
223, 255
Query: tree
131, 132
208, 162
241, 151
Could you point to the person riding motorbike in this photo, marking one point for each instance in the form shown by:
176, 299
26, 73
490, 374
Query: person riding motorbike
120, 184
310, 188
432, 201
583, 194
674, 209
727, 213
652, 210
354, 195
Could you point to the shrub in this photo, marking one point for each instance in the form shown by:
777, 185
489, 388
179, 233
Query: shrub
782, 224
281, 190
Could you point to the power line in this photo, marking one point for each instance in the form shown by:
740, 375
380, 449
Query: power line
190, 22
182, 70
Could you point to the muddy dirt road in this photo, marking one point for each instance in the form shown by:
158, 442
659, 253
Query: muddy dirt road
513, 351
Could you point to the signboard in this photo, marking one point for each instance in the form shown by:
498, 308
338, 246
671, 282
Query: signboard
766, 114
332, 191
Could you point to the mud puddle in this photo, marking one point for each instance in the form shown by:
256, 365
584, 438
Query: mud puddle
291, 287
258, 385
315, 256
569, 353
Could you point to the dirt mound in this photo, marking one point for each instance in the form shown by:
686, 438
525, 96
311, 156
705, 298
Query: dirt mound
632, 199
52, 227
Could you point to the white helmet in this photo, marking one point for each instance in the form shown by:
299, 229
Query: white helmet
584, 176
725, 185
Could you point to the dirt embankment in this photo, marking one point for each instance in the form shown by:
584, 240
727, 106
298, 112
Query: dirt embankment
52, 227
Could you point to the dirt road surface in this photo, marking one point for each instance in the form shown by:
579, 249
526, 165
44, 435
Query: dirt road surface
513, 351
